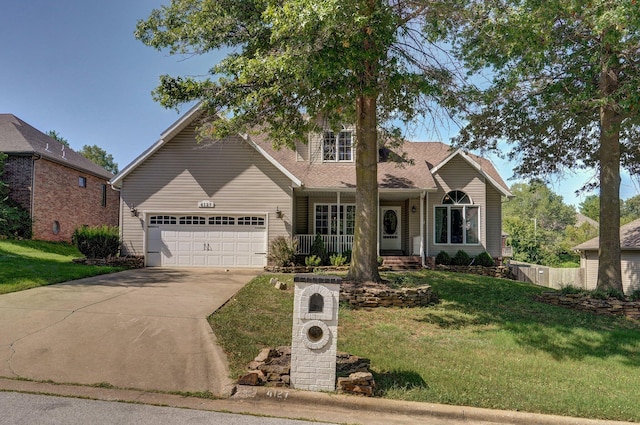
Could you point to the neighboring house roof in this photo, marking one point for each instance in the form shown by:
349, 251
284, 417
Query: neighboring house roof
629, 238
418, 175
581, 219
19, 138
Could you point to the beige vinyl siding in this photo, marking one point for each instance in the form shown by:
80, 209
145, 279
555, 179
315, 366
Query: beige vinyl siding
630, 265
493, 220
413, 225
457, 174
302, 151
302, 214
230, 173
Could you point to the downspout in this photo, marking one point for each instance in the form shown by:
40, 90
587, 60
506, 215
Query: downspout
338, 224
33, 189
422, 257
427, 227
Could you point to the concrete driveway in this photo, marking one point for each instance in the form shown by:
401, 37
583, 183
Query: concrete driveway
143, 329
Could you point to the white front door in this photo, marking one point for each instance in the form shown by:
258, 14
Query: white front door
390, 228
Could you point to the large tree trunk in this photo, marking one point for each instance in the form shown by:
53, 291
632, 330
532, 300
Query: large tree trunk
364, 256
609, 267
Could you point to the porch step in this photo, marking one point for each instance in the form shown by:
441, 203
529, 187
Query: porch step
402, 262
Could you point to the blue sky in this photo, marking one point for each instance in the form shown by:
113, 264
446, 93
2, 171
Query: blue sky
75, 67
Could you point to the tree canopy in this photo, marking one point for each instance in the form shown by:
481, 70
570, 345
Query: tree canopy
364, 62
55, 135
100, 157
563, 91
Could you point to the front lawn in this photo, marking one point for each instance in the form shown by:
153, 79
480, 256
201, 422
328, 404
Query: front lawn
26, 264
488, 343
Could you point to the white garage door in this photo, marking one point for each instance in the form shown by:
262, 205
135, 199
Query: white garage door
206, 241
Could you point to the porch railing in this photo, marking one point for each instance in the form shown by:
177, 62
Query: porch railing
332, 243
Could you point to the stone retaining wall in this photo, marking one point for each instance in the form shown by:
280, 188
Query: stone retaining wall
363, 296
501, 272
608, 307
130, 262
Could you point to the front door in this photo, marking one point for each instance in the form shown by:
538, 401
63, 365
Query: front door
390, 228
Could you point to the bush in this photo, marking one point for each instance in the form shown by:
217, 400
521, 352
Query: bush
312, 261
347, 255
15, 221
608, 293
485, 260
461, 259
443, 258
282, 251
318, 249
98, 241
338, 260
635, 295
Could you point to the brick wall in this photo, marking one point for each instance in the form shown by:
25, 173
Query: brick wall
17, 174
58, 198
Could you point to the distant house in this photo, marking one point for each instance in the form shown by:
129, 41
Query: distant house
59, 188
219, 203
630, 258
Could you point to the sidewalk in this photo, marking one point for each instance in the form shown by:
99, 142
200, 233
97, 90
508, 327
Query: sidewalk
325, 407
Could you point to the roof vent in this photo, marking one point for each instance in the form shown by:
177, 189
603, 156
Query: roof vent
46, 148
63, 153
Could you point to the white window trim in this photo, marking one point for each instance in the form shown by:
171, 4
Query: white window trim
330, 204
337, 152
464, 217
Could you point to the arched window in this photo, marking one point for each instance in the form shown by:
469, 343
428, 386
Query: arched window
457, 220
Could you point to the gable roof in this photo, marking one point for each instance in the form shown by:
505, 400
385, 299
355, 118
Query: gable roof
187, 119
629, 238
19, 138
427, 158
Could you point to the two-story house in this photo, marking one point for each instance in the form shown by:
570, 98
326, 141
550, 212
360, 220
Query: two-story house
219, 203
60, 188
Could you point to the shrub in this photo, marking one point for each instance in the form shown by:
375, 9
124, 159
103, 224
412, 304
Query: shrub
318, 249
443, 258
347, 255
380, 261
608, 293
635, 295
485, 260
338, 260
282, 251
312, 261
15, 221
97, 241
461, 259
572, 290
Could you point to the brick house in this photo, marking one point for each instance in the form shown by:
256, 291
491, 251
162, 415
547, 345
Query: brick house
59, 188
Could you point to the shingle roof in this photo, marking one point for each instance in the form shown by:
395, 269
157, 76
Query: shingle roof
391, 175
18, 137
629, 238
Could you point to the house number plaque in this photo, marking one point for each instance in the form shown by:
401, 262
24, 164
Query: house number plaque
206, 204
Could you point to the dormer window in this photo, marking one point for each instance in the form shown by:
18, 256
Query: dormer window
337, 149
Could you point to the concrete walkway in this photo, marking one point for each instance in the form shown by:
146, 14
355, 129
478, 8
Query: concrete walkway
143, 329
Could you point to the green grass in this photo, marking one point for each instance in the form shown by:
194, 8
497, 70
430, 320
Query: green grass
488, 343
26, 264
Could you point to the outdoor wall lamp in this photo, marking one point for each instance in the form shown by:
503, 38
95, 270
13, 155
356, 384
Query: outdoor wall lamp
278, 213
133, 211
413, 209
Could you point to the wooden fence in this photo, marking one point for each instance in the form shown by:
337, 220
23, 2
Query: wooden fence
547, 276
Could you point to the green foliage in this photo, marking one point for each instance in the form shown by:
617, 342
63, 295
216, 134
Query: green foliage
461, 259
605, 294
312, 261
590, 207
99, 156
282, 251
443, 258
347, 254
337, 260
484, 259
318, 249
97, 241
15, 221
635, 295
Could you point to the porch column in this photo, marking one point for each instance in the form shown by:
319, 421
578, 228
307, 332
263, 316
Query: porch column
422, 195
339, 225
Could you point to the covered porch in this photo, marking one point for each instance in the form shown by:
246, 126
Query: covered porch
401, 221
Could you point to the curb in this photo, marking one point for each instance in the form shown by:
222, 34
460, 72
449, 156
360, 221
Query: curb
409, 408
295, 404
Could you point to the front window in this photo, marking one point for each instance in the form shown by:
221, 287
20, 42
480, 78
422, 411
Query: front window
457, 220
328, 220
337, 149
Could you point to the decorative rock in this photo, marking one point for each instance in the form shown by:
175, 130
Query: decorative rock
608, 307
265, 354
381, 296
253, 378
359, 383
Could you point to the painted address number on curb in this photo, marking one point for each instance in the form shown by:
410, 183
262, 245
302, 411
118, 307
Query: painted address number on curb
278, 394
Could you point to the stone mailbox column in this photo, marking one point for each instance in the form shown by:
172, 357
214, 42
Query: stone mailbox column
315, 332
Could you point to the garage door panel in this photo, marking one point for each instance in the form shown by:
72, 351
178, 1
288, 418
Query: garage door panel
206, 245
